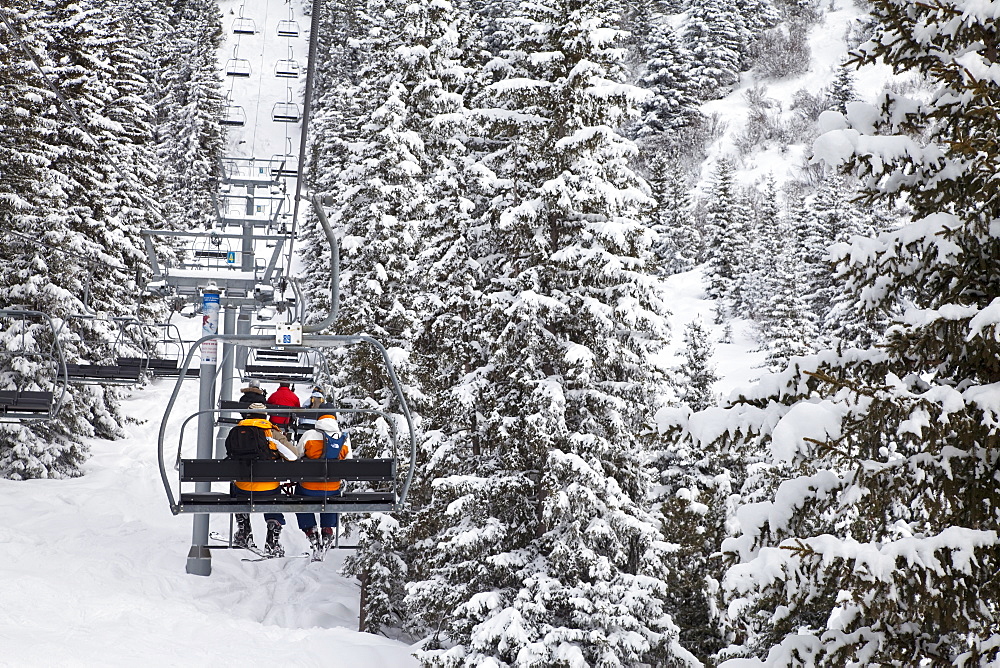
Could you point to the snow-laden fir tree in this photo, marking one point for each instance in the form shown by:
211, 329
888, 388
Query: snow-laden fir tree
81, 202
872, 539
694, 378
677, 242
553, 556
447, 291
712, 31
667, 74
726, 235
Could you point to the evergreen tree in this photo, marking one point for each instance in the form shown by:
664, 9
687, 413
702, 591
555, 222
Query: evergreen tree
696, 376
667, 75
712, 33
542, 542
726, 232
842, 89
80, 192
869, 535
677, 245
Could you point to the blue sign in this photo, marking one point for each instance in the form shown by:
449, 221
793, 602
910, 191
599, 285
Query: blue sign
231, 257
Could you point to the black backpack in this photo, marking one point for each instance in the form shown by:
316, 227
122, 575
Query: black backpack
247, 442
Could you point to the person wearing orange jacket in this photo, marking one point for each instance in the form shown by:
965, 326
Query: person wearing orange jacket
325, 441
255, 437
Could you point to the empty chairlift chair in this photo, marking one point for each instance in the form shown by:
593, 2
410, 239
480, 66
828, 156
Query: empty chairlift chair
31, 343
285, 165
288, 27
233, 115
286, 112
287, 68
236, 66
243, 25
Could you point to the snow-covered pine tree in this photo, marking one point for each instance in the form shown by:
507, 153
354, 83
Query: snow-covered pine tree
82, 199
667, 75
446, 290
677, 246
551, 532
829, 216
842, 89
786, 325
695, 377
857, 317
726, 231
873, 537
712, 31
763, 248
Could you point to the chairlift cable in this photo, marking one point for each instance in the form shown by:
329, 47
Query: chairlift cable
306, 112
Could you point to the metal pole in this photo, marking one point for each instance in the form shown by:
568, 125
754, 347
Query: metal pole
199, 561
226, 386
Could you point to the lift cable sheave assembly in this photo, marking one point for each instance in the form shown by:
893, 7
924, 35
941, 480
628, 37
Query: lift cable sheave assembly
329, 470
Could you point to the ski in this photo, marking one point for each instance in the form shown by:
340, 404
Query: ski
261, 554
274, 556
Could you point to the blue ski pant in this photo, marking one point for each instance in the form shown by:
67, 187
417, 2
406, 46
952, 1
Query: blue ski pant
308, 520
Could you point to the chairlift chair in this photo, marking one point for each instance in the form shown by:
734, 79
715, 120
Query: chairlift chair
238, 67
244, 26
287, 68
124, 346
288, 28
23, 400
234, 115
387, 479
285, 112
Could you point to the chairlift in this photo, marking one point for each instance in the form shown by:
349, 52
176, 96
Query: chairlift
285, 165
238, 67
166, 354
31, 335
126, 345
287, 111
287, 68
288, 28
234, 115
244, 26
385, 481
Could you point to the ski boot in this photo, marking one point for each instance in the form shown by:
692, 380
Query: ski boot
273, 546
314, 541
244, 534
329, 536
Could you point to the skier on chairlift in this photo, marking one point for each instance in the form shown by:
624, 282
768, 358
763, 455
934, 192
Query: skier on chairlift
316, 400
252, 438
252, 394
284, 396
326, 441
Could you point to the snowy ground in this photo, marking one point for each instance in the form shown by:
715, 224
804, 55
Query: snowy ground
93, 573
737, 362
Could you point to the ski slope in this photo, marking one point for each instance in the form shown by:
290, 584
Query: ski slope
92, 572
